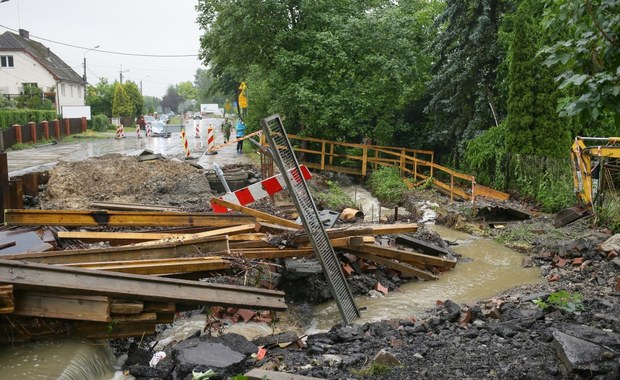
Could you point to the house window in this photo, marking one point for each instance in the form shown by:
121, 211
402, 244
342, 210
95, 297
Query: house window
6, 61
62, 89
71, 90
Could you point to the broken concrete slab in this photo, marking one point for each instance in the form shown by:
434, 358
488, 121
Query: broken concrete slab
577, 354
197, 355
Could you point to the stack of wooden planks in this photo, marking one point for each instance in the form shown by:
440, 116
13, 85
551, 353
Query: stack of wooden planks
134, 280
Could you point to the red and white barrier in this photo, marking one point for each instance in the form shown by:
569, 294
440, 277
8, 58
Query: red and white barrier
262, 189
210, 137
149, 131
185, 144
120, 132
197, 128
138, 131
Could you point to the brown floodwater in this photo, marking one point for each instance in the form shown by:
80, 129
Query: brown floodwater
485, 269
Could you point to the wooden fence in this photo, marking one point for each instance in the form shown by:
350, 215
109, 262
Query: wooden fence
416, 166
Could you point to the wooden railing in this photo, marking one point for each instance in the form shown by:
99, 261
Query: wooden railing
415, 164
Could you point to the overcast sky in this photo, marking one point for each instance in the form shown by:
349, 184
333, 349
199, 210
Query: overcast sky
149, 27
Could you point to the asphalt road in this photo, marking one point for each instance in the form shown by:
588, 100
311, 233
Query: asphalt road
46, 156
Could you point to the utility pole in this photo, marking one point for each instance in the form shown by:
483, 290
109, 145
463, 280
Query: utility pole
84, 77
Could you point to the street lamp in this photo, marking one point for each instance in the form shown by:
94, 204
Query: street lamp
85, 82
121, 73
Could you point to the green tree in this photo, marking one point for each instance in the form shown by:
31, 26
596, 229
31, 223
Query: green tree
135, 97
121, 103
532, 124
99, 97
151, 104
311, 61
187, 90
463, 87
587, 49
172, 99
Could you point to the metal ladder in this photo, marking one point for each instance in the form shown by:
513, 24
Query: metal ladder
283, 155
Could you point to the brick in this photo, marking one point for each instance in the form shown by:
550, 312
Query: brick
267, 285
381, 288
561, 263
394, 342
612, 255
246, 314
493, 313
466, 317
553, 278
577, 261
347, 269
617, 283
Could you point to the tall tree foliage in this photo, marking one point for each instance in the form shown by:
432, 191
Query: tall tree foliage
172, 99
532, 124
463, 86
339, 70
99, 97
588, 51
121, 103
132, 90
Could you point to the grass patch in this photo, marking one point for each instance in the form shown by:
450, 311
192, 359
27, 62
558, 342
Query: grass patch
372, 371
387, 186
333, 198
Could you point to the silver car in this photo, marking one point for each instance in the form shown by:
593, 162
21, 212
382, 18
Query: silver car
159, 128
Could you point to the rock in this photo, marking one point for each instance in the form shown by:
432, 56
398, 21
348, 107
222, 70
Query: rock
383, 357
453, 311
285, 337
198, 355
145, 371
577, 354
611, 244
235, 342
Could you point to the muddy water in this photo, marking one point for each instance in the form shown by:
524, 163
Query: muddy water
485, 269
67, 360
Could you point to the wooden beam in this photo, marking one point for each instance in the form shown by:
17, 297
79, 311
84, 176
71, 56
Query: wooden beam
122, 218
54, 278
195, 248
260, 374
132, 207
159, 267
401, 267
274, 253
64, 306
257, 214
104, 236
406, 256
118, 306
187, 239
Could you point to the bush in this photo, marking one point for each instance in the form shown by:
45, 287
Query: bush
101, 123
387, 186
20, 116
333, 199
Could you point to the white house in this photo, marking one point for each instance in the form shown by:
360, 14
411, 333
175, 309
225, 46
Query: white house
24, 62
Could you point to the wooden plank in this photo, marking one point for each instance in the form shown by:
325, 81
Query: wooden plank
406, 256
135, 318
257, 214
391, 229
189, 238
165, 317
118, 306
262, 374
64, 306
247, 237
25, 275
423, 246
160, 307
122, 218
196, 248
487, 192
7, 301
112, 330
186, 265
274, 253
401, 267
104, 236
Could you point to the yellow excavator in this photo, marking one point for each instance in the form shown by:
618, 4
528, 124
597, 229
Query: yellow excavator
595, 163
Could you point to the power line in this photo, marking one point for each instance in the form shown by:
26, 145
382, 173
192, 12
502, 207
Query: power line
109, 51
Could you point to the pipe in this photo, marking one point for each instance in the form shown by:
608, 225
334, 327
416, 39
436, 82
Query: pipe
220, 175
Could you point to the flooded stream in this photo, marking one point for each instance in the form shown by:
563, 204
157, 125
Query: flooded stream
485, 269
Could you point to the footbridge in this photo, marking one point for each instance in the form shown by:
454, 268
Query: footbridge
417, 167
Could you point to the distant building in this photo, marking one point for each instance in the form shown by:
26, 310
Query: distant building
24, 62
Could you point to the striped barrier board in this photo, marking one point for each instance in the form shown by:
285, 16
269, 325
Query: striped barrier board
262, 189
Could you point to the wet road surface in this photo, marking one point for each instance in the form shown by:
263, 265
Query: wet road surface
46, 156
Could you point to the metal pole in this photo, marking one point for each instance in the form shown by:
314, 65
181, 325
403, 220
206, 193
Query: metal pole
220, 175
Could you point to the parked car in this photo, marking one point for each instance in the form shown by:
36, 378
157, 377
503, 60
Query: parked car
197, 116
164, 118
159, 128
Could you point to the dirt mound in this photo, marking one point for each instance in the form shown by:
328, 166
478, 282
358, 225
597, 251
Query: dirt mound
124, 179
